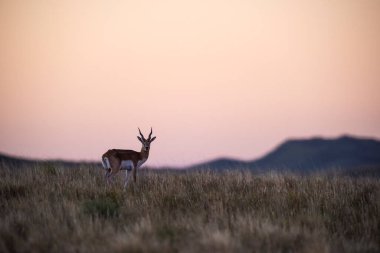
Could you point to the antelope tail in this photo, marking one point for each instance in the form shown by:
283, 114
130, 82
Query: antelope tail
106, 163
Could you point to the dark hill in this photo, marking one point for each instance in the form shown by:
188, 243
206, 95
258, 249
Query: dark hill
318, 153
15, 161
306, 155
18, 162
221, 164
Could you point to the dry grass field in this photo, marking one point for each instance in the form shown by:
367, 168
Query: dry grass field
49, 209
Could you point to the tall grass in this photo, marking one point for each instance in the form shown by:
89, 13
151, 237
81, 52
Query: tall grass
49, 209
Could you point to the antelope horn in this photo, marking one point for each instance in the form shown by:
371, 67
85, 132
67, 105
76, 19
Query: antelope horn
141, 134
150, 135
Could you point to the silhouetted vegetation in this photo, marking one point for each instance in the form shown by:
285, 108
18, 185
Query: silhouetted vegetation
53, 209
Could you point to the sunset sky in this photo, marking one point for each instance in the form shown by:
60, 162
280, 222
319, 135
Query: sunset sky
212, 77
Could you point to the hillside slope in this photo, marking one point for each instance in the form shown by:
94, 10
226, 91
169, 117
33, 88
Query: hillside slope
313, 154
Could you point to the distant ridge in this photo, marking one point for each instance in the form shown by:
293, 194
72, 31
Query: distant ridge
14, 161
221, 163
352, 154
304, 155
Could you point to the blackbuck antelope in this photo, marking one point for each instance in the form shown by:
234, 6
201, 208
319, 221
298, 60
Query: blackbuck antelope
115, 160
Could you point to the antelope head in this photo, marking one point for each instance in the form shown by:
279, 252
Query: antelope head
146, 142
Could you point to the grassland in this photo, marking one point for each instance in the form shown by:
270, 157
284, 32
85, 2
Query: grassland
49, 209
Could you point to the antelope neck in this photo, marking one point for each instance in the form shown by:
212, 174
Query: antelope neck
144, 153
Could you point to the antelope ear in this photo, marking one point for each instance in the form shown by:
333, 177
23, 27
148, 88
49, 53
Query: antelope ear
138, 137
153, 139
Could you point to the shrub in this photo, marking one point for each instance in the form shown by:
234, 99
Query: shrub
101, 207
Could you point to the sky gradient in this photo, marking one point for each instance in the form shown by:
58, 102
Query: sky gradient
212, 77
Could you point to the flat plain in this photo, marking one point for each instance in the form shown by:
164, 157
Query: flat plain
52, 209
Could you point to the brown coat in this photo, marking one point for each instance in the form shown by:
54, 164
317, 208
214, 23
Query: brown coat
116, 156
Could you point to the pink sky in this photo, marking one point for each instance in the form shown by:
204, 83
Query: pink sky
213, 77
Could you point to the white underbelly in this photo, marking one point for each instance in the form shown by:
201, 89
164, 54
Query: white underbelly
128, 164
